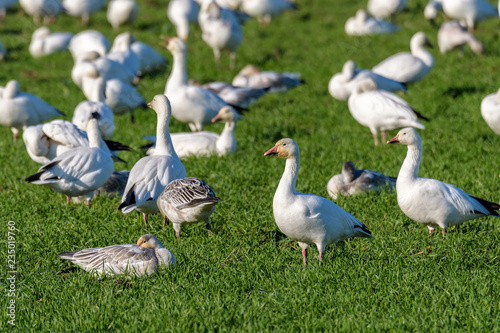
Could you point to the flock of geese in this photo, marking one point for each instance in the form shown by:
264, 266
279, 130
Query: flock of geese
78, 157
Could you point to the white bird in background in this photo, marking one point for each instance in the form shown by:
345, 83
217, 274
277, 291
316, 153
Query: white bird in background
265, 9
342, 84
83, 8
470, 11
251, 76
385, 8
490, 110
430, 201
151, 174
88, 41
144, 258
181, 13
149, 59
48, 9
121, 52
362, 24
308, 218
78, 171
452, 35
380, 110
122, 12
43, 42
187, 200
408, 67
432, 10
241, 97
19, 110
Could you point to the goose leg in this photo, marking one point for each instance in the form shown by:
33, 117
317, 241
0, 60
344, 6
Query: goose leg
384, 136
217, 57
68, 200
145, 217
232, 57
207, 225
88, 201
320, 257
304, 256
431, 230
15, 133
470, 29
444, 232
177, 228
165, 221
375, 138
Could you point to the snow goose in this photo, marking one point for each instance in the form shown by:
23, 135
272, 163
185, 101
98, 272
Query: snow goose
308, 218
78, 171
353, 181
187, 200
452, 35
49, 9
144, 258
430, 201
181, 13
121, 12
44, 43
385, 8
362, 24
151, 174
88, 41
252, 77
490, 110
241, 97
381, 110
342, 84
265, 9
83, 8
190, 104
19, 109
122, 53
432, 10
470, 11
149, 58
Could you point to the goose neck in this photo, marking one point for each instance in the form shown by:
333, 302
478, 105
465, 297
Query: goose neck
411, 164
163, 141
421, 52
178, 76
93, 134
289, 178
227, 141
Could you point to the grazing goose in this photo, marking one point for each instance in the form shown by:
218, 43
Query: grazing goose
308, 218
385, 8
88, 41
362, 24
187, 200
149, 59
121, 52
342, 84
265, 9
408, 67
151, 174
83, 8
121, 12
452, 35
381, 110
44, 43
353, 181
430, 201
78, 171
490, 110
239, 96
181, 13
470, 11
252, 77
143, 258
19, 110
49, 9
190, 104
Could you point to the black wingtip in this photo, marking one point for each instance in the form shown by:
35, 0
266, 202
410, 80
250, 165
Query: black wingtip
490, 206
239, 109
34, 177
420, 116
114, 145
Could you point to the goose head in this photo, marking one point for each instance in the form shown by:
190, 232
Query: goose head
12, 88
149, 241
41, 32
349, 70
348, 171
407, 136
284, 148
160, 104
249, 70
476, 46
176, 45
361, 15
227, 114
123, 41
419, 40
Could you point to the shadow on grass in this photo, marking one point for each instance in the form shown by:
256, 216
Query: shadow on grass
455, 92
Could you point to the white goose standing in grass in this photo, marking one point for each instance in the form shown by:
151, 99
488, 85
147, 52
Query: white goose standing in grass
408, 67
78, 171
190, 104
265, 9
88, 41
151, 174
342, 84
452, 35
470, 11
490, 110
187, 200
49, 9
430, 201
181, 13
381, 110
144, 258
362, 24
43, 42
121, 52
385, 8
83, 8
121, 12
308, 218
251, 76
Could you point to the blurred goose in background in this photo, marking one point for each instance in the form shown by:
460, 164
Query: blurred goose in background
43, 42
149, 59
252, 77
452, 35
470, 11
432, 10
121, 52
115, 185
205, 143
151, 174
218, 32
382, 9
353, 181
381, 110
263, 10
190, 104
241, 97
78, 171
144, 258
490, 110
308, 218
408, 67
122, 12
342, 84
83, 8
88, 41
48, 9
362, 24
19, 110
187, 200
181, 13
430, 201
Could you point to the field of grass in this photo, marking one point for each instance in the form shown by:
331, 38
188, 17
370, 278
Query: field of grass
248, 276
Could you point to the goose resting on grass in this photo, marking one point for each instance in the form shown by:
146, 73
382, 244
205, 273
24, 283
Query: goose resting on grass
252, 77
452, 35
362, 24
490, 110
430, 201
308, 218
143, 258
187, 200
43, 42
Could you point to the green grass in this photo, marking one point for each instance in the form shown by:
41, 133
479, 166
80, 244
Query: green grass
248, 276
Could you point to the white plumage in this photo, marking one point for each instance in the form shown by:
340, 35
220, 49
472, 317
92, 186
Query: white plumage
265, 9
149, 58
452, 35
121, 12
43, 42
181, 13
385, 8
48, 9
88, 41
83, 8
490, 110
470, 11
362, 24
241, 97
252, 77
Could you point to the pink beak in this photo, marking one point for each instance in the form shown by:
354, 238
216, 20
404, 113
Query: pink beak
150, 104
271, 152
216, 118
394, 139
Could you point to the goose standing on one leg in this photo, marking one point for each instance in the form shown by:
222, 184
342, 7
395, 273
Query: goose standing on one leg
430, 201
308, 218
